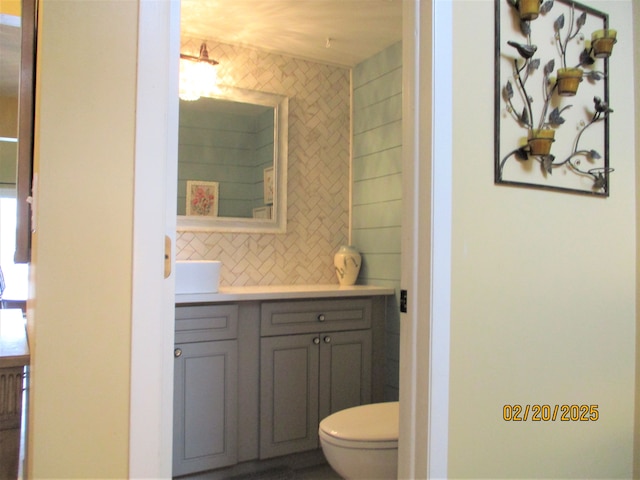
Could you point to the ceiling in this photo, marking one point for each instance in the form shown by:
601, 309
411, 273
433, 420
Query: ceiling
337, 32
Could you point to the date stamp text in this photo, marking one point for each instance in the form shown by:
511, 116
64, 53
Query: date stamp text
550, 413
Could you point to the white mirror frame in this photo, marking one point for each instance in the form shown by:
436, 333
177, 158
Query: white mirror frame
277, 224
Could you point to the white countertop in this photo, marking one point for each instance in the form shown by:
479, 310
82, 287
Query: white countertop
278, 292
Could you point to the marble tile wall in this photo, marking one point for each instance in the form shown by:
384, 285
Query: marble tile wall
318, 170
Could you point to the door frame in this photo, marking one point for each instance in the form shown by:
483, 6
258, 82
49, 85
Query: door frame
427, 190
426, 241
152, 302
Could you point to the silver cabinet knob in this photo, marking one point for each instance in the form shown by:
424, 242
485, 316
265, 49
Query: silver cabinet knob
316, 340
177, 352
321, 317
327, 339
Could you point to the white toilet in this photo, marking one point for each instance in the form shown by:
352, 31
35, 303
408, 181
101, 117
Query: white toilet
362, 442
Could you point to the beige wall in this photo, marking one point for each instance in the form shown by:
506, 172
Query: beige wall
543, 288
8, 150
11, 7
9, 117
318, 172
80, 322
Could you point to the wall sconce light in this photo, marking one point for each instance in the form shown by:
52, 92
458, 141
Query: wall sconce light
198, 75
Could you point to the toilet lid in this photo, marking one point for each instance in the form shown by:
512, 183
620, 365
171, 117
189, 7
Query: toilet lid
377, 422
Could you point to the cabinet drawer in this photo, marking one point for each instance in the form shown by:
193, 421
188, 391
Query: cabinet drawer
309, 316
204, 323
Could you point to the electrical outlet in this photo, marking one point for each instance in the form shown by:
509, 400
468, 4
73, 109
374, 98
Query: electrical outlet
403, 301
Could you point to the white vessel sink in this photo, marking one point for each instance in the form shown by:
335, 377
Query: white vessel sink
197, 276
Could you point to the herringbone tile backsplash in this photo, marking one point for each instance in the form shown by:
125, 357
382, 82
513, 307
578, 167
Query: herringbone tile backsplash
318, 170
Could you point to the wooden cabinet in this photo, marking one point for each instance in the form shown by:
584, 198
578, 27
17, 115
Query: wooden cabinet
14, 360
315, 359
345, 371
205, 388
288, 394
254, 378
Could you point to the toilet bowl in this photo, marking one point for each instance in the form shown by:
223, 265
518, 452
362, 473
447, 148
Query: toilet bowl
362, 442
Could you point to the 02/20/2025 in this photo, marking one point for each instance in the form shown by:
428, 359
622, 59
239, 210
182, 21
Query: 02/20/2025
546, 413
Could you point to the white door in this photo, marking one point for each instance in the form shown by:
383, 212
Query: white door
153, 304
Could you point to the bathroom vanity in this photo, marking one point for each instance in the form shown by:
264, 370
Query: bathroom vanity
257, 368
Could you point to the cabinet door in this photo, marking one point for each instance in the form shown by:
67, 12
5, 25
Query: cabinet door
345, 370
288, 394
205, 406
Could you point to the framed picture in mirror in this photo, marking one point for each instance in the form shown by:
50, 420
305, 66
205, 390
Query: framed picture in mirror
268, 185
202, 198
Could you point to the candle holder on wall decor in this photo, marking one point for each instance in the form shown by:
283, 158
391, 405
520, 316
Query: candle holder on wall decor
552, 95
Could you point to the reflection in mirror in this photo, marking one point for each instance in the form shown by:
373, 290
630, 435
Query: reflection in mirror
227, 142
232, 159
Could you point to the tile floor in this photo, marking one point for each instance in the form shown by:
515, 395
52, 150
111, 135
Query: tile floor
302, 466
319, 472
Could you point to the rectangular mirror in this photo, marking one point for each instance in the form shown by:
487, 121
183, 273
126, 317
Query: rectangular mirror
232, 162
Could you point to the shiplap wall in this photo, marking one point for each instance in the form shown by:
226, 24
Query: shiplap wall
377, 185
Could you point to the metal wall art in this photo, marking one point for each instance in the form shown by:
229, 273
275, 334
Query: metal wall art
552, 95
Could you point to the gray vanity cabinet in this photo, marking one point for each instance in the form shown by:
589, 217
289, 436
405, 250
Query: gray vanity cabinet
288, 394
315, 359
253, 378
345, 371
205, 388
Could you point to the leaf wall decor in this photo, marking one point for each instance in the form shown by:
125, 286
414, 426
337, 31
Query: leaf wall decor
552, 98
